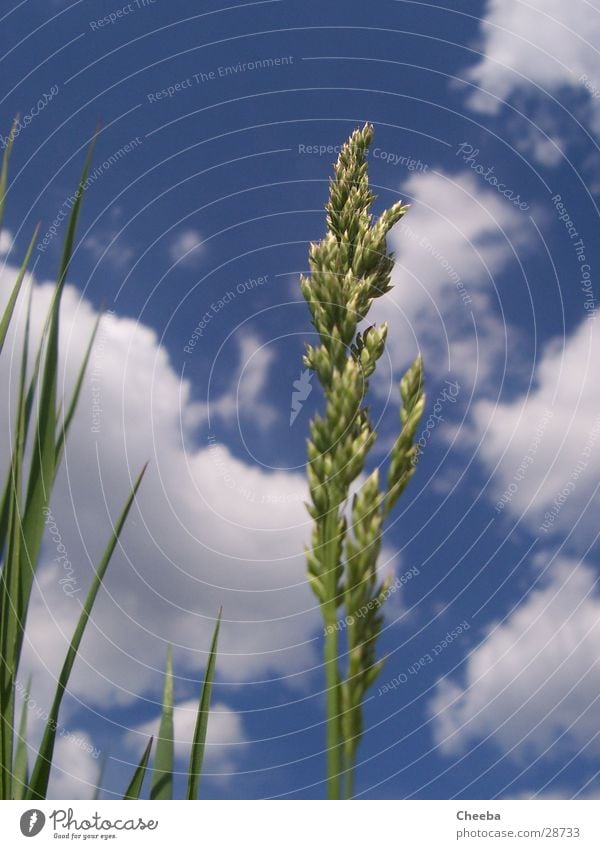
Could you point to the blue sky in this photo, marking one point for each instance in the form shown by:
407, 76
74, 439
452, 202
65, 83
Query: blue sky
211, 181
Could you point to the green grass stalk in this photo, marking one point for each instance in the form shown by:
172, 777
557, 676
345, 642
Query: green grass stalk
350, 267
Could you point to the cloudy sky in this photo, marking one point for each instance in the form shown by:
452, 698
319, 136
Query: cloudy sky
218, 131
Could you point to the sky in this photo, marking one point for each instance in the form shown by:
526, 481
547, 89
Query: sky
217, 133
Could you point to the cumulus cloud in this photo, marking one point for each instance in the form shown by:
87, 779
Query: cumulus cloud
207, 529
589, 791
542, 43
75, 765
186, 247
104, 246
75, 768
200, 534
6, 241
543, 140
531, 686
531, 55
543, 447
458, 235
246, 391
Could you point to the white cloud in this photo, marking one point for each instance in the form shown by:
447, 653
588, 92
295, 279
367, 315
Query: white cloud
75, 767
531, 686
208, 528
588, 791
6, 241
246, 392
104, 246
186, 247
224, 736
543, 140
532, 52
540, 43
458, 235
75, 764
200, 535
543, 447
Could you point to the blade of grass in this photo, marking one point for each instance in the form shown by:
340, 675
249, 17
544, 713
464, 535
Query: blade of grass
6, 494
24, 535
74, 217
135, 785
41, 771
4, 171
10, 307
43, 467
11, 624
199, 741
162, 774
76, 393
21, 767
9, 627
100, 779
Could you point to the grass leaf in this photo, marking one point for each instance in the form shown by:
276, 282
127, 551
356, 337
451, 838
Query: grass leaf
76, 393
41, 771
6, 493
43, 460
135, 785
100, 779
67, 252
4, 171
22, 524
21, 767
199, 741
11, 619
162, 774
10, 307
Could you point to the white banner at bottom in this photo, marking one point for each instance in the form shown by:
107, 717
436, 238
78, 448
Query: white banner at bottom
303, 824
